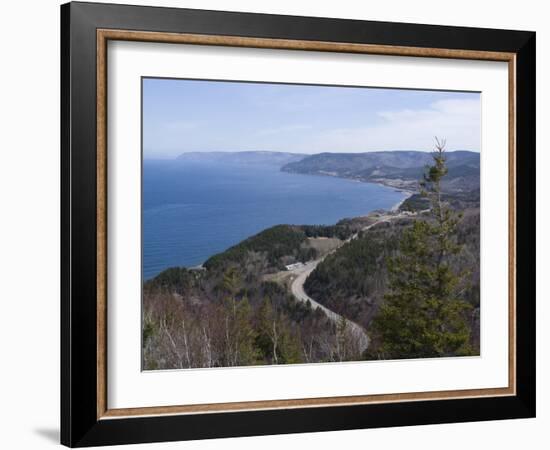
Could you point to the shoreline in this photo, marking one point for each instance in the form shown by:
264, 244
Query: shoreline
408, 194
393, 209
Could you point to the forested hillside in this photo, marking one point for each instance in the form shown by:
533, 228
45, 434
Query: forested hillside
228, 315
353, 280
414, 284
277, 246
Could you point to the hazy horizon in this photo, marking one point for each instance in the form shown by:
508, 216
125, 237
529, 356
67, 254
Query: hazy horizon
296, 153
193, 116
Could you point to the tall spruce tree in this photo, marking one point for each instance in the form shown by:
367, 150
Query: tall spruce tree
423, 314
245, 335
269, 334
239, 334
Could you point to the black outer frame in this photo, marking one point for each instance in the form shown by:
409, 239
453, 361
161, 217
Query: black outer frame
79, 424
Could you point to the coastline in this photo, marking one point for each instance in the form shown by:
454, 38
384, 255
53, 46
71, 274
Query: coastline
391, 209
408, 194
396, 186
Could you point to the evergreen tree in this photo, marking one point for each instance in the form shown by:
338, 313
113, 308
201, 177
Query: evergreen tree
290, 343
423, 314
240, 349
268, 335
245, 335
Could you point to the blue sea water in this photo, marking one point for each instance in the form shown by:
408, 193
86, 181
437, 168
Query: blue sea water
192, 211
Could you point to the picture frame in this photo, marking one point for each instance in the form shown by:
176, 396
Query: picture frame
86, 29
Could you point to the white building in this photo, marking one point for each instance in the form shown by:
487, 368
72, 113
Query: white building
294, 266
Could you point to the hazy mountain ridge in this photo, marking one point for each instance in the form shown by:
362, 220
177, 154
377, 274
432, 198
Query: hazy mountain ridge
245, 157
400, 169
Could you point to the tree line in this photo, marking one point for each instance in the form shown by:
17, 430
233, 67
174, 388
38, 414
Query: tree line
235, 323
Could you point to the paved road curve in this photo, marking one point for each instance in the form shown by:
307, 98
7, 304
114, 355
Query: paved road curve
297, 287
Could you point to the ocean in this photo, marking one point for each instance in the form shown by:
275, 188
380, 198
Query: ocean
191, 211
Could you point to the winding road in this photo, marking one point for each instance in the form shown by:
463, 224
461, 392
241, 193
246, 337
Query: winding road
297, 288
301, 273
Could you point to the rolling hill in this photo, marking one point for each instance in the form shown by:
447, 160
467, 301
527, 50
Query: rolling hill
399, 169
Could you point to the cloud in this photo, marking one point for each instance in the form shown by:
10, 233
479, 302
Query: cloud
458, 121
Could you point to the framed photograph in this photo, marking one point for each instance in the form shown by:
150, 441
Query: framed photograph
276, 224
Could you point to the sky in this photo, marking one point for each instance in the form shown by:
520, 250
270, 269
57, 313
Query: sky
200, 116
